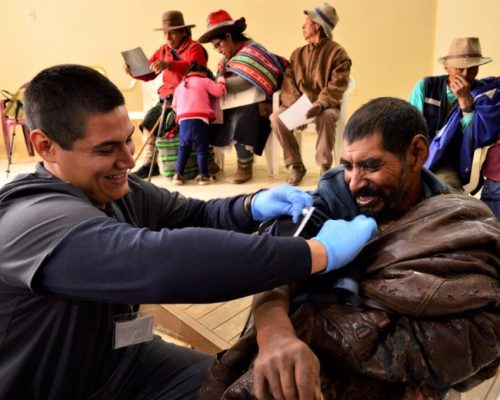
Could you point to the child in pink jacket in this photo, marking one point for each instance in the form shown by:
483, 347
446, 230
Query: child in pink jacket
192, 105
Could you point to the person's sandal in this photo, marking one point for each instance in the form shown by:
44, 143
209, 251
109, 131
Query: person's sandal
205, 179
297, 172
324, 168
177, 179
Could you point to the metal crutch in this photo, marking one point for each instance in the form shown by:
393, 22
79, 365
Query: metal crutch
149, 138
9, 156
158, 134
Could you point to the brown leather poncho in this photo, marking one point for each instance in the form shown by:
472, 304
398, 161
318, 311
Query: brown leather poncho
429, 317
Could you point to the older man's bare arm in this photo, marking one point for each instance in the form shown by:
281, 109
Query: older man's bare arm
285, 366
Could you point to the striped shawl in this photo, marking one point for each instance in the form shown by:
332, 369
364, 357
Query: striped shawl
258, 66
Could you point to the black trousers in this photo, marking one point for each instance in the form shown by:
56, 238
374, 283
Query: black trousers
156, 370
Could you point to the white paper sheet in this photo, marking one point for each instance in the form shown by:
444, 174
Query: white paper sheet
137, 61
295, 115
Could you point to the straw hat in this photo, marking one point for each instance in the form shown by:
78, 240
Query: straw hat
464, 53
172, 20
221, 22
326, 16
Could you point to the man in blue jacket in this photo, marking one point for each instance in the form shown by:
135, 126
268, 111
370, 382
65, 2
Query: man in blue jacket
83, 243
462, 114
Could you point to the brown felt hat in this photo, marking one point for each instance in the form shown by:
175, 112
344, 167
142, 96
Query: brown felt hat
172, 20
464, 53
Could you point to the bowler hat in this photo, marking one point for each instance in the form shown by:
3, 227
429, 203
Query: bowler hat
172, 20
219, 22
464, 53
326, 16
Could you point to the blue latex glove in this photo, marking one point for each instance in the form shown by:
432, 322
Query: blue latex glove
282, 200
344, 240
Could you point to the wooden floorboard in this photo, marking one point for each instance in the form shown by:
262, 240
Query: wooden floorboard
230, 331
224, 313
197, 311
488, 390
205, 327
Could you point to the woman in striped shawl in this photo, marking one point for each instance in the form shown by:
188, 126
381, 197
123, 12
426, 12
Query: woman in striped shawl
247, 66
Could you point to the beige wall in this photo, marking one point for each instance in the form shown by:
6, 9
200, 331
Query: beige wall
392, 42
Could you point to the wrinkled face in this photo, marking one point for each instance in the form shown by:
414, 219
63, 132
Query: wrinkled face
227, 47
174, 38
311, 30
98, 163
468, 73
377, 179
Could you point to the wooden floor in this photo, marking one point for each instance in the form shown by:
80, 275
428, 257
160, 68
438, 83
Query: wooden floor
205, 327
488, 390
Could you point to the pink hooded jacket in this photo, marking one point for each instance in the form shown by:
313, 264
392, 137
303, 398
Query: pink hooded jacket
192, 96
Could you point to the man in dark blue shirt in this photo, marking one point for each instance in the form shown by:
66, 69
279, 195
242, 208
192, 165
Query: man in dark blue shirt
83, 243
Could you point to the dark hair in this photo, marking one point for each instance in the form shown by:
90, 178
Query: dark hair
59, 100
396, 120
195, 67
237, 37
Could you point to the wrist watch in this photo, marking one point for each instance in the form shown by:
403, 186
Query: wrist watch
468, 109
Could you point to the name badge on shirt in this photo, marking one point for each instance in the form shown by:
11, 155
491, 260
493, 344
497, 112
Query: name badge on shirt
132, 331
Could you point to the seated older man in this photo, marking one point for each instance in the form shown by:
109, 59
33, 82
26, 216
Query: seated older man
462, 114
416, 313
320, 70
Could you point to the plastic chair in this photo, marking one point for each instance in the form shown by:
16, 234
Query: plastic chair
475, 180
273, 148
8, 135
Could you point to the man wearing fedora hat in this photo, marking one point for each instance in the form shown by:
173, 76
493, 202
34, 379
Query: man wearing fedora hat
320, 70
461, 118
247, 66
172, 59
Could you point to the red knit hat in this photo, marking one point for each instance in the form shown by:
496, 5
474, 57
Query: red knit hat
221, 22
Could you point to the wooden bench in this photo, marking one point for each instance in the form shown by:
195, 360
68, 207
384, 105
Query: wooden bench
205, 327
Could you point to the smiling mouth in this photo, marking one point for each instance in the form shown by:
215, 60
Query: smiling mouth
366, 201
118, 177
